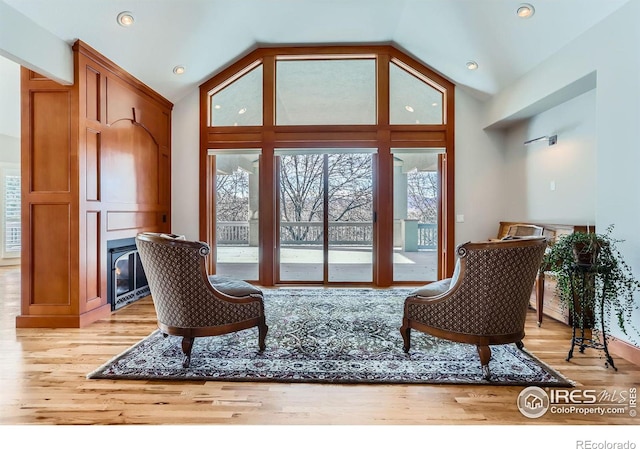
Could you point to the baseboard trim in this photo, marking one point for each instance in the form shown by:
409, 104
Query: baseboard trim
63, 321
625, 350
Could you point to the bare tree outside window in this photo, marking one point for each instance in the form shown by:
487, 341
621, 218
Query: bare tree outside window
301, 187
350, 187
232, 196
422, 196
302, 190
232, 208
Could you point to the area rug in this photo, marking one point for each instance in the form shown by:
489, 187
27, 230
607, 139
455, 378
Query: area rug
329, 336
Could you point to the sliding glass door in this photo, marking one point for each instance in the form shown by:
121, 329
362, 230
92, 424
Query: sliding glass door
325, 216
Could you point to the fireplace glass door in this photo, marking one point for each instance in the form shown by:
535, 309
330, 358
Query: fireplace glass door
128, 281
125, 267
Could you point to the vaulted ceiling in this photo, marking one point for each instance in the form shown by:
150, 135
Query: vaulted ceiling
206, 35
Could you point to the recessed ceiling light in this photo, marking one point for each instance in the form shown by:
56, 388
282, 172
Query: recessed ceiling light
179, 69
242, 111
434, 104
408, 108
217, 106
472, 65
525, 11
125, 19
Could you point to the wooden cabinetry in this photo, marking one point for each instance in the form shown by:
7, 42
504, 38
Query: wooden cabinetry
96, 160
544, 298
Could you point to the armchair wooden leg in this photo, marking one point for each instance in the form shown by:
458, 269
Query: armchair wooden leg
520, 345
485, 355
405, 331
262, 334
187, 346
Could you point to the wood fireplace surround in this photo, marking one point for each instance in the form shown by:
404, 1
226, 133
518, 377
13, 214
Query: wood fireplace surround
96, 165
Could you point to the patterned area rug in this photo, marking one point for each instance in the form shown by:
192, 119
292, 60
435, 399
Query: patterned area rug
329, 336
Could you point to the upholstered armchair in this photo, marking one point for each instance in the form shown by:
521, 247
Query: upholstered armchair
190, 303
484, 303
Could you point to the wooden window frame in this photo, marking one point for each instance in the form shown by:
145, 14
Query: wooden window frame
382, 136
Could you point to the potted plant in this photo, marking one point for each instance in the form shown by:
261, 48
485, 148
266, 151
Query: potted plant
589, 260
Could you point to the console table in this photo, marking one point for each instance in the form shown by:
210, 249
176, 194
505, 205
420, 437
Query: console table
544, 298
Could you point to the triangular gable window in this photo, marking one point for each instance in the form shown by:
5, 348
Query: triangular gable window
239, 103
412, 99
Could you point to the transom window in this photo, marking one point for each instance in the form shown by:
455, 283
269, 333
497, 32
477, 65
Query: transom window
326, 92
323, 90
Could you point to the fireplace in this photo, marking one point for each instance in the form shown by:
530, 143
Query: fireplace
127, 281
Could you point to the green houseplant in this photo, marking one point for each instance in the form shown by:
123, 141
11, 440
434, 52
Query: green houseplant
606, 271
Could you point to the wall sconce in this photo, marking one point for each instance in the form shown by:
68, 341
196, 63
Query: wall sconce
551, 139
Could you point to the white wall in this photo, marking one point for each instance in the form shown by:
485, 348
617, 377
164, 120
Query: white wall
9, 111
185, 163
9, 98
570, 165
51, 56
479, 180
9, 149
612, 50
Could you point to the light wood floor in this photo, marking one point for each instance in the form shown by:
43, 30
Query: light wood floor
43, 382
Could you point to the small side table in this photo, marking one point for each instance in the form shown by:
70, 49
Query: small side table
583, 285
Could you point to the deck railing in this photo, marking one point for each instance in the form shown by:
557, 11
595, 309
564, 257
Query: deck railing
232, 232
354, 233
340, 233
427, 236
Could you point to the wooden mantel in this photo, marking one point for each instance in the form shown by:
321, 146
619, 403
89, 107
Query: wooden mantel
96, 164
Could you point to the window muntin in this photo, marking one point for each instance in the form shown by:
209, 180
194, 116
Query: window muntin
412, 100
239, 103
326, 92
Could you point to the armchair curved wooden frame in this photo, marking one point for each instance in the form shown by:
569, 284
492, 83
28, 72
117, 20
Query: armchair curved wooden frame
486, 304
190, 303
